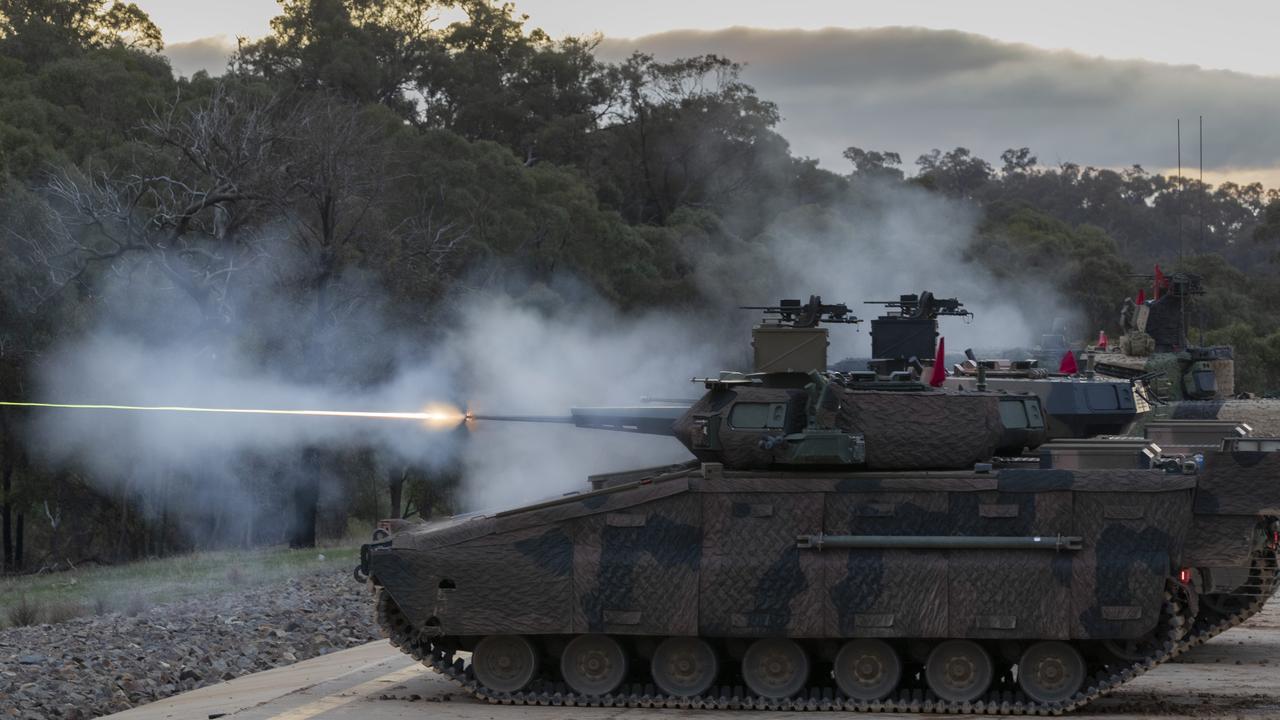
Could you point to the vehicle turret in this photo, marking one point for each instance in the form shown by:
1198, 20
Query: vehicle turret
776, 420
904, 340
797, 413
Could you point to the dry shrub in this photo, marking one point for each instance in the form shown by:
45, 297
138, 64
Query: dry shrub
24, 612
59, 612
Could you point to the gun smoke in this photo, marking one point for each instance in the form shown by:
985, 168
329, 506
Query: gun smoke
539, 350
897, 240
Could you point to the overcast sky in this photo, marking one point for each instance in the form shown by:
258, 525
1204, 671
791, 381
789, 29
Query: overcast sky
1092, 82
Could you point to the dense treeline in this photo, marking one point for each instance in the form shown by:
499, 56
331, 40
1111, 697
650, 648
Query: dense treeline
362, 139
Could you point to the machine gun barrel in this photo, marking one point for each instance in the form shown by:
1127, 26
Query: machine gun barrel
646, 420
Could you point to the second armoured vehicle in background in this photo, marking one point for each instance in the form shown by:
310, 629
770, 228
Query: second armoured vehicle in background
1155, 342
841, 541
1076, 405
1189, 382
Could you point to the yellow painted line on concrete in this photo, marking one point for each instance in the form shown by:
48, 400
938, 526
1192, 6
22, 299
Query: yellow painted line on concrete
349, 695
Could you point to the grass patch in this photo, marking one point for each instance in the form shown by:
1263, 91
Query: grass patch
136, 586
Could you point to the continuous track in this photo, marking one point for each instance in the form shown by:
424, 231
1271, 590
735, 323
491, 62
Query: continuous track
814, 698
1210, 623
1177, 634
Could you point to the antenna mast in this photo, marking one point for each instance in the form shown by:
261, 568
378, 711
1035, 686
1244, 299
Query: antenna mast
1203, 191
1178, 198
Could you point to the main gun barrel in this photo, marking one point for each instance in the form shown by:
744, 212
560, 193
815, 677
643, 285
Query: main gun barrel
648, 420
567, 419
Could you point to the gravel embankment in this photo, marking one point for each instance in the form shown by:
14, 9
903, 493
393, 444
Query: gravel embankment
94, 666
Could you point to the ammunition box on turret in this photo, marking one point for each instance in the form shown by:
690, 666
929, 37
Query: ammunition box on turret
779, 348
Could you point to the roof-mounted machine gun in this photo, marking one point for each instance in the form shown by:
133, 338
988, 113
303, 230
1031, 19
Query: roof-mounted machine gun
805, 315
924, 305
794, 341
908, 330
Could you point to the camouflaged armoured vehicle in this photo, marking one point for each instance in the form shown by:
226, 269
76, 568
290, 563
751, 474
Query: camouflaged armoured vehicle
1188, 381
842, 543
1156, 344
1076, 405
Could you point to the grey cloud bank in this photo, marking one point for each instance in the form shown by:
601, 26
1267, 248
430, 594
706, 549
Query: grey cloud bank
911, 89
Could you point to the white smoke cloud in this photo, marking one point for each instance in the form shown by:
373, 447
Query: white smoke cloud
521, 361
500, 356
897, 240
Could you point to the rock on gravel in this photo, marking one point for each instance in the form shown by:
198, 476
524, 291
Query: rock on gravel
95, 666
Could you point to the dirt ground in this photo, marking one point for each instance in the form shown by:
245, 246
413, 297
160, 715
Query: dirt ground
1234, 676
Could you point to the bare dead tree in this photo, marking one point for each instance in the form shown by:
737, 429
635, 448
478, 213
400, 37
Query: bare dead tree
339, 173
345, 181
429, 239
193, 206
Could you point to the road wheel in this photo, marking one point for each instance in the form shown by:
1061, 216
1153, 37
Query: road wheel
775, 668
958, 671
1050, 671
867, 669
593, 665
504, 663
684, 666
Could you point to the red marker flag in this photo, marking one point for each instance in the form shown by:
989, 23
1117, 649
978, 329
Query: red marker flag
1068, 365
1102, 339
939, 374
1161, 282
1142, 296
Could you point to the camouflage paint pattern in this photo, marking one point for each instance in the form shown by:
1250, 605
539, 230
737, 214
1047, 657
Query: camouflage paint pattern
713, 552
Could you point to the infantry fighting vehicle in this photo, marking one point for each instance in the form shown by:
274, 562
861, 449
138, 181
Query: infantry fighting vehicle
842, 542
1156, 342
1076, 405
1189, 381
